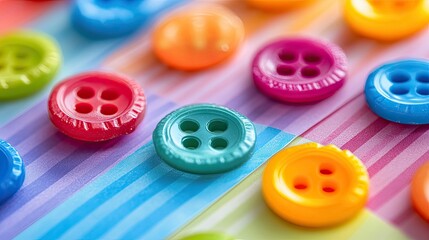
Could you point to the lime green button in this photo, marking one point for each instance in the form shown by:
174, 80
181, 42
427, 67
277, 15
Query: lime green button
209, 236
28, 61
204, 139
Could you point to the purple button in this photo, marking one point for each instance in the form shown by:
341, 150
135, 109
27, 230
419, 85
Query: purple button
299, 70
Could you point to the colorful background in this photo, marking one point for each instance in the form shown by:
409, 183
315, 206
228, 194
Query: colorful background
121, 189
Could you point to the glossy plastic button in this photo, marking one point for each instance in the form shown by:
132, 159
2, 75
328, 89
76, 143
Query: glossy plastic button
28, 61
387, 19
299, 70
277, 5
12, 172
209, 236
420, 191
399, 91
97, 106
315, 186
197, 37
204, 139
112, 18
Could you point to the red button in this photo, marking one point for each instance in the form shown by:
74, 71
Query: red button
97, 106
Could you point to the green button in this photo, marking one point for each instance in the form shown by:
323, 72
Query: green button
28, 61
209, 236
204, 139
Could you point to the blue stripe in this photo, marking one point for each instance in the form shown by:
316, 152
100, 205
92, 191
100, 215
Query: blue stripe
145, 224
43, 147
107, 193
126, 208
190, 194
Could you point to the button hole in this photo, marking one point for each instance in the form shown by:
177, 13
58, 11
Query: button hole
189, 126
399, 90
422, 77
310, 72
423, 90
399, 76
110, 94
312, 58
326, 169
285, 70
217, 126
300, 183
108, 109
219, 143
85, 92
191, 142
22, 55
20, 67
329, 187
287, 56
83, 108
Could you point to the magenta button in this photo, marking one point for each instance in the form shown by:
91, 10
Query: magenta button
299, 70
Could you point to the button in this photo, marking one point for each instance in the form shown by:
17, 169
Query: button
299, 70
12, 172
113, 18
209, 236
387, 20
420, 191
97, 106
204, 139
399, 91
315, 186
197, 37
277, 5
28, 61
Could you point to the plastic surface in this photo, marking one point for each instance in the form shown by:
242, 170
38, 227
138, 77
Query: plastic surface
28, 61
97, 106
114, 18
197, 37
299, 69
204, 139
12, 172
420, 191
387, 20
209, 236
277, 5
315, 186
399, 91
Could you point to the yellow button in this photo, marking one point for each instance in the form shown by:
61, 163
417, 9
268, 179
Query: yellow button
277, 5
387, 20
315, 186
197, 37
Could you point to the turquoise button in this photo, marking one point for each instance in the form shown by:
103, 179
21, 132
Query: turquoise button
12, 172
204, 139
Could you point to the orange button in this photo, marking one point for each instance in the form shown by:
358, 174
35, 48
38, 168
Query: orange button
420, 191
315, 186
277, 5
197, 37
387, 19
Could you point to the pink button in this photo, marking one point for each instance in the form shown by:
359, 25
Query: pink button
299, 70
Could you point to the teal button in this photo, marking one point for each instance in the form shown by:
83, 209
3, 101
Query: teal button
204, 139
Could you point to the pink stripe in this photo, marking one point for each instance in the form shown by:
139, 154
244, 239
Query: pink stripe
399, 182
396, 150
366, 134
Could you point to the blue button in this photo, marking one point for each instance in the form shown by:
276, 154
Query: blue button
113, 18
204, 139
399, 91
12, 171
